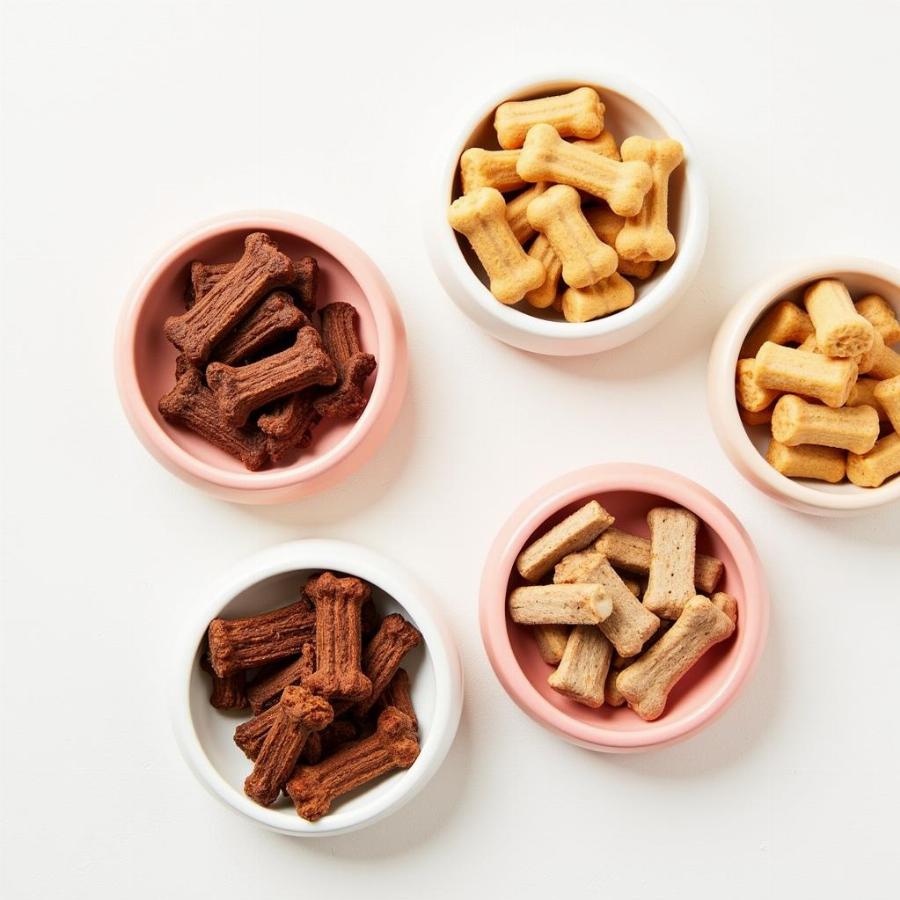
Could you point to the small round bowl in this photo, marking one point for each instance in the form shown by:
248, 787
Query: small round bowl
629, 110
145, 360
271, 579
746, 446
628, 492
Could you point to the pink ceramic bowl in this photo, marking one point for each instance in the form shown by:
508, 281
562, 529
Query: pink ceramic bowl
628, 492
145, 361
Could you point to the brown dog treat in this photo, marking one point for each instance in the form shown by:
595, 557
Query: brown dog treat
228, 692
398, 694
303, 282
262, 268
369, 620
289, 426
299, 713
673, 541
242, 389
203, 278
274, 317
191, 404
265, 691
581, 675
248, 643
251, 735
393, 746
551, 641
348, 399
321, 744
182, 366
338, 603
393, 640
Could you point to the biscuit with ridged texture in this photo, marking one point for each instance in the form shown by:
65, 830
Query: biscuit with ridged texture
578, 114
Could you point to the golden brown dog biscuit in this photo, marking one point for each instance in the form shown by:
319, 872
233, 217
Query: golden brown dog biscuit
604, 144
876, 466
750, 395
559, 604
517, 211
810, 374
601, 299
607, 225
763, 417
887, 393
576, 114
673, 552
840, 330
886, 364
490, 168
882, 315
544, 296
853, 428
807, 461
582, 671
863, 394
783, 323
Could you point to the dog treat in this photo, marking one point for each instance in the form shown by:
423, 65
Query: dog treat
248, 643
646, 683
398, 694
299, 713
604, 144
481, 217
646, 234
322, 744
576, 114
607, 225
887, 394
229, 692
726, 604
348, 399
551, 641
547, 157
784, 323
750, 395
289, 426
381, 660
620, 662
867, 361
544, 296
490, 168
807, 461
840, 330
517, 212
585, 258
302, 284
763, 417
886, 364
242, 389
559, 604
313, 789
853, 428
192, 405
575, 532
612, 696
863, 394
581, 675
810, 374
275, 317
673, 540
600, 299
881, 314
872, 469
251, 735
266, 690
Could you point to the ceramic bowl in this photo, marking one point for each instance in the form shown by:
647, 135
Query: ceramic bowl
145, 361
746, 446
628, 492
629, 110
271, 579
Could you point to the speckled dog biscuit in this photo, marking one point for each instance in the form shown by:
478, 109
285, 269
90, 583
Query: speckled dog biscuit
750, 395
551, 641
853, 428
559, 604
876, 466
517, 212
673, 542
348, 398
601, 299
490, 168
607, 225
547, 157
784, 323
840, 330
575, 532
481, 217
646, 234
544, 296
275, 317
810, 374
882, 315
807, 461
887, 393
581, 675
576, 114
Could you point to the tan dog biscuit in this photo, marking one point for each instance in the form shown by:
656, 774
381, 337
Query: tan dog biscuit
576, 114
490, 168
551, 641
559, 604
750, 395
582, 671
607, 225
763, 417
517, 212
810, 374
887, 393
544, 296
876, 466
882, 315
886, 364
840, 330
673, 548
726, 603
784, 323
863, 394
853, 428
601, 299
807, 461
604, 144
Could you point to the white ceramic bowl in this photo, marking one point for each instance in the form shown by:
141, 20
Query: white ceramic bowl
271, 579
745, 446
629, 110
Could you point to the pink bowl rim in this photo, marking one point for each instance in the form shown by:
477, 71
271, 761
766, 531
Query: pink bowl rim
604, 478
392, 352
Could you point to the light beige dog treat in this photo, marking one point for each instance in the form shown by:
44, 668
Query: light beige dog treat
784, 323
575, 532
863, 394
607, 225
876, 466
647, 683
726, 603
585, 258
601, 299
807, 461
517, 212
840, 330
547, 157
623, 662
646, 235
604, 144
551, 641
810, 374
577, 114
582, 671
630, 625
887, 393
612, 695
673, 549
881, 314
544, 296
481, 217
559, 604
886, 365
763, 417
750, 395
480, 168
853, 428
633, 586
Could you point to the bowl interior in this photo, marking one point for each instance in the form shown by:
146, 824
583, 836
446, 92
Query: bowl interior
215, 728
154, 356
624, 117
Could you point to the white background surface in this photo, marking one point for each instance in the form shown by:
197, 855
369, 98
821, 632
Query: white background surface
126, 123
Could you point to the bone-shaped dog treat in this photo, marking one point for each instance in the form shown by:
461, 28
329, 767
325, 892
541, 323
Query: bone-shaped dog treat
604, 144
864, 361
191, 404
576, 114
607, 225
875, 467
544, 296
763, 417
601, 299
810, 374
265, 691
887, 394
248, 643
585, 258
673, 543
299, 713
399, 695
881, 314
559, 604
620, 662
481, 217
229, 692
726, 604
490, 168
241, 389
547, 157
551, 641
647, 683
274, 317
863, 394
251, 735
393, 746
612, 696
575, 532
262, 268
646, 233
517, 211
382, 657
750, 395
807, 461
630, 625
581, 675
886, 364
338, 603
784, 323
289, 426
348, 399
840, 330
853, 428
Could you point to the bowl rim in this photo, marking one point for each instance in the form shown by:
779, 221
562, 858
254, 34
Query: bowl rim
581, 484
670, 286
726, 420
317, 553
392, 353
